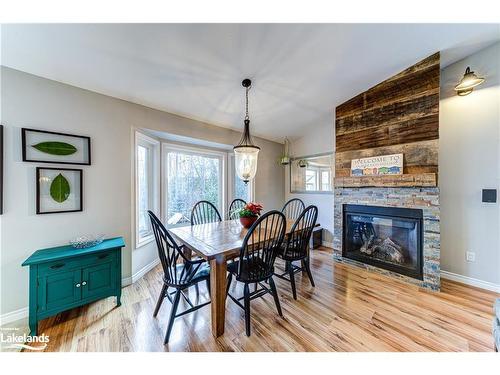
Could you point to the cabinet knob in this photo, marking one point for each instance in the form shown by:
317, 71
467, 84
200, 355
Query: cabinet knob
78, 285
84, 283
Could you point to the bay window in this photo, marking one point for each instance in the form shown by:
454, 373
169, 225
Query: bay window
191, 174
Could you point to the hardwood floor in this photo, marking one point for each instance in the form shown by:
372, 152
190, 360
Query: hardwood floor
349, 310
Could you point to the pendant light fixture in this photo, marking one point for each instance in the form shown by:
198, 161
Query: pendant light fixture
468, 82
245, 152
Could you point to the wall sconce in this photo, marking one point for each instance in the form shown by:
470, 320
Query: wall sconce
285, 159
468, 82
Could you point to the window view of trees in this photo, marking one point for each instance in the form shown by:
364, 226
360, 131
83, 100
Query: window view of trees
191, 178
241, 190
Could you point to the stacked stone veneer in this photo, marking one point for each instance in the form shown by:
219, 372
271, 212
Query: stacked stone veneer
426, 199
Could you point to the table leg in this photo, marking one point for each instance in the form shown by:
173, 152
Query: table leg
218, 294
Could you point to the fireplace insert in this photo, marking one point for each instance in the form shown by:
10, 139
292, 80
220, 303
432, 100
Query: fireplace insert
385, 237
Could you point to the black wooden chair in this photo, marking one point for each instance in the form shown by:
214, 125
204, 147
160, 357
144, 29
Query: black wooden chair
296, 247
256, 263
177, 275
204, 212
235, 207
293, 208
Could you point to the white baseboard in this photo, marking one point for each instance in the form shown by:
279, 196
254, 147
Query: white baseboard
144, 270
23, 312
136, 276
14, 316
126, 281
471, 281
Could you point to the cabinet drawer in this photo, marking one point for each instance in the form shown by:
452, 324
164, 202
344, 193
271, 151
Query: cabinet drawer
77, 262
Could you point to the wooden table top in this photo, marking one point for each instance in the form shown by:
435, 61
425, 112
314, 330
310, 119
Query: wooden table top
222, 238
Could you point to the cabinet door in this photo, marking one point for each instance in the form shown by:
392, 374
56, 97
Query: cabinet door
98, 280
58, 290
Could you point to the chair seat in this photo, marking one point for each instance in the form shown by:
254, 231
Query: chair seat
286, 253
254, 270
202, 273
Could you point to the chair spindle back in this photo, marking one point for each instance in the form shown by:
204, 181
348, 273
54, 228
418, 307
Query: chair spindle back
204, 212
293, 208
170, 256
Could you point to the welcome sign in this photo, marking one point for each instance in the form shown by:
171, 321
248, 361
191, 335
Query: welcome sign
377, 165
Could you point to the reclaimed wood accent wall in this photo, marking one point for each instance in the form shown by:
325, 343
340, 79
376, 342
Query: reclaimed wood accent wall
399, 115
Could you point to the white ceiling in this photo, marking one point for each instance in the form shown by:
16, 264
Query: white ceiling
300, 72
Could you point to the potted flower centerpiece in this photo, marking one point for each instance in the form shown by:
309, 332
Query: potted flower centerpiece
249, 213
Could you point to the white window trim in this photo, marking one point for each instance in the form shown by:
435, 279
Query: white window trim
166, 146
232, 176
153, 144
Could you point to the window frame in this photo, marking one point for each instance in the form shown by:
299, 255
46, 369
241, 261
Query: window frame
329, 179
192, 150
318, 174
153, 146
231, 180
316, 178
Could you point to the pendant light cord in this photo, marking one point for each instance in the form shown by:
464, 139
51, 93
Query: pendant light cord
246, 107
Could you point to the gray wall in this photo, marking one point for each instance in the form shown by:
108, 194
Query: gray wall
469, 161
34, 102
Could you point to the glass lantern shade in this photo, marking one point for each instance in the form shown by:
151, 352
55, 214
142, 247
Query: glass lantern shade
245, 160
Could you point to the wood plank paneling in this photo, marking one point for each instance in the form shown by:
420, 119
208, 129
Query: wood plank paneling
406, 131
399, 115
389, 114
419, 157
411, 82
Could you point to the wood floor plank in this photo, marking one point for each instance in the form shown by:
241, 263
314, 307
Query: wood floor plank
350, 309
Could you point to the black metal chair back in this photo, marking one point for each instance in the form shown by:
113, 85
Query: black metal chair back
297, 243
293, 208
235, 207
170, 255
204, 212
261, 246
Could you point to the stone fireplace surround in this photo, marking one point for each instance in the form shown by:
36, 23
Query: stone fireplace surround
426, 199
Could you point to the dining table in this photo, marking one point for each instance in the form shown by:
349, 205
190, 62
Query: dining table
217, 242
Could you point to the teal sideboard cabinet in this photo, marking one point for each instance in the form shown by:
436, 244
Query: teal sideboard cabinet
64, 277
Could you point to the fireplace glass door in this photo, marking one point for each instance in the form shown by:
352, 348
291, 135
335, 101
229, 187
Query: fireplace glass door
387, 237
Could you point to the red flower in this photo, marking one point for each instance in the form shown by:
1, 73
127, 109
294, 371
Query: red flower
254, 208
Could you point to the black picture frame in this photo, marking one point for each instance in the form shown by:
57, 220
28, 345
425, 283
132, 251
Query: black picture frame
24, 132
38, 203
1, 169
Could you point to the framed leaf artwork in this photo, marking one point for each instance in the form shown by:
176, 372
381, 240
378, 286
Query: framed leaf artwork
51, 147
58, 190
